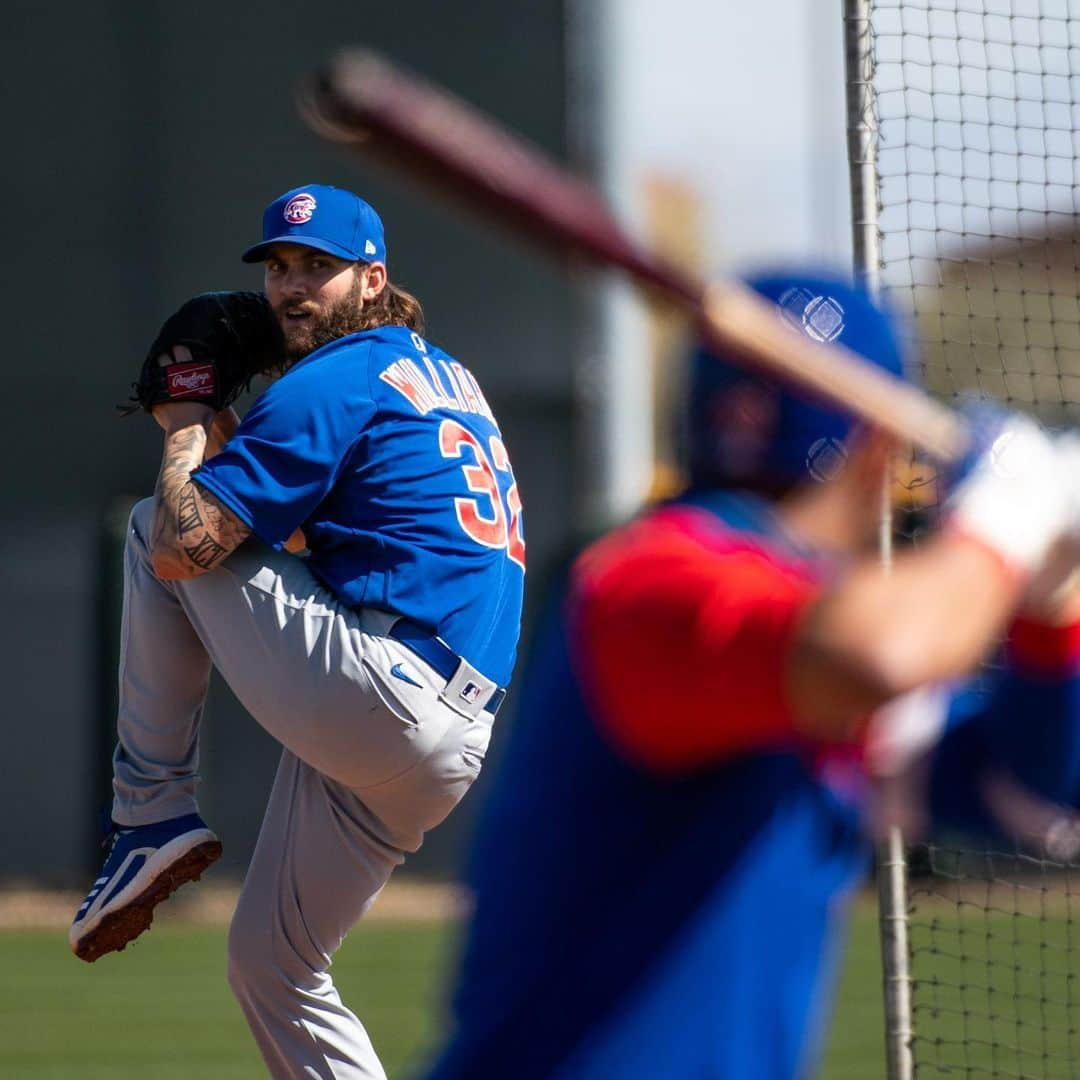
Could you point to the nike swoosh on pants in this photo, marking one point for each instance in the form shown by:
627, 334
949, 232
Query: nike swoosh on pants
399, 673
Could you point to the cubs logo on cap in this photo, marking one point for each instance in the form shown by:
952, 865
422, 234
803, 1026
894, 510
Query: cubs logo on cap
300, 208
326, 218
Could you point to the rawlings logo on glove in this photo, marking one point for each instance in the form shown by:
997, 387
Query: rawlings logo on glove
190, 380
231, 336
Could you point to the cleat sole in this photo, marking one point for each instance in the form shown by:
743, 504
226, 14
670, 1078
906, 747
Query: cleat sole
119, 928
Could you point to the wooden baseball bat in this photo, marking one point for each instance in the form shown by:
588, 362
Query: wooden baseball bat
362, 100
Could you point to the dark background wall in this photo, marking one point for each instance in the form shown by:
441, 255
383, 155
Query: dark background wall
142, 142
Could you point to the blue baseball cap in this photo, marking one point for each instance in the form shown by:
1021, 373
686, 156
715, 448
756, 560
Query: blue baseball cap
327, 218
743, 429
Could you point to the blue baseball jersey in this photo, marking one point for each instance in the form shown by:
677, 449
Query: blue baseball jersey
642, 913
383, 449
1022, 718
662, 870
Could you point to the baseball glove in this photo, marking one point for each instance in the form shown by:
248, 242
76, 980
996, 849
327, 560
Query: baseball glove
232, 337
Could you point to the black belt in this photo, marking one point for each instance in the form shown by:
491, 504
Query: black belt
437, 654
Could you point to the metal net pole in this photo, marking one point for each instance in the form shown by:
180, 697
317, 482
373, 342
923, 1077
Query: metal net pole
866, 236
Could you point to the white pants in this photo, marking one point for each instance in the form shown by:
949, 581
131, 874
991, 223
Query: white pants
370, 763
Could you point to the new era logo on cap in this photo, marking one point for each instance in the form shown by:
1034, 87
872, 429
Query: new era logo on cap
326, 218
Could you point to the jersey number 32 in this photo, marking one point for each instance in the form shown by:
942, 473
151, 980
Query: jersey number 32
489, 523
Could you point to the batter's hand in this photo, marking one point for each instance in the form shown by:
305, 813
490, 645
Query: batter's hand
1009, 493
1053, 594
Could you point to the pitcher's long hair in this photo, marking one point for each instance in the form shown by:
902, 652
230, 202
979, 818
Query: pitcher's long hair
392, 307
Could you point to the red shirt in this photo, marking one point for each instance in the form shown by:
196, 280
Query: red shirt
684, 626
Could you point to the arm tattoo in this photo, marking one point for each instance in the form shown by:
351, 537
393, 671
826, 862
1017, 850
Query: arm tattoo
207, 553
193, 532
188, 517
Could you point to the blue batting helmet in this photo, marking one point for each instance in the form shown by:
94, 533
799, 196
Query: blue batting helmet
744, 430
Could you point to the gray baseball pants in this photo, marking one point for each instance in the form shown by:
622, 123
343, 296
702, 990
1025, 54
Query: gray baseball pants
370, 763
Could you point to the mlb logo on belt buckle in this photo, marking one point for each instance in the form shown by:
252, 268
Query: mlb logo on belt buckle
470, 692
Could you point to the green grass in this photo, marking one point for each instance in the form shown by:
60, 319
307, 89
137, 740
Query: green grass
856, 1042
163, 1009
1011, 1005
996, 990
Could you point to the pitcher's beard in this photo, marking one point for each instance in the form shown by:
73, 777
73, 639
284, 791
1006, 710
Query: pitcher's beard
343, 317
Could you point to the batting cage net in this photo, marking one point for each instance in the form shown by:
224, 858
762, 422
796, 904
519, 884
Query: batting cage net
995, 948
977, 109
963, 120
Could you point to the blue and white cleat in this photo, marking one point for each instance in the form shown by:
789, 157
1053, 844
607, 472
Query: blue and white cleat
145, 864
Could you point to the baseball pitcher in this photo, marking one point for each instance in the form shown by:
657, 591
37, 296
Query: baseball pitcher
351, 558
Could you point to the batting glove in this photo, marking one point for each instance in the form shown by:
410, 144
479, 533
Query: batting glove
1010, 493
